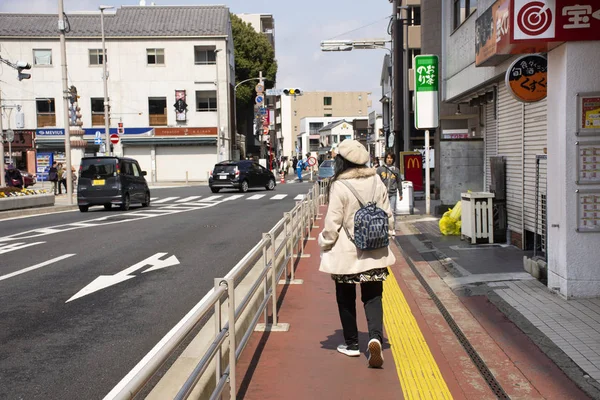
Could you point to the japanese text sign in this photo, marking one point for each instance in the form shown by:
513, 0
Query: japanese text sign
426, 92
527, 78
589, 113
555, 20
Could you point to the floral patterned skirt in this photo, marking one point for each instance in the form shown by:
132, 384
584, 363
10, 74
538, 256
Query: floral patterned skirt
373, 275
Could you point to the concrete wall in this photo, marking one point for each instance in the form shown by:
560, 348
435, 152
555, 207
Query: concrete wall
462, 164
573, 259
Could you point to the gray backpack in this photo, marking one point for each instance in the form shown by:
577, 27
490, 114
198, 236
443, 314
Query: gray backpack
371, 226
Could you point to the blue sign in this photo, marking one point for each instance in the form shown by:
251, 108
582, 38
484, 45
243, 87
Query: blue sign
263, 111
50, 132
128, 131
97, 140
97, 135
259, 99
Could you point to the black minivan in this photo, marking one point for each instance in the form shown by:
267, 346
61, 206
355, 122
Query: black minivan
111, 181
240, 175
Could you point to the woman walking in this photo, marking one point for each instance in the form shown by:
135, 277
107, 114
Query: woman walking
341, 258
390, 176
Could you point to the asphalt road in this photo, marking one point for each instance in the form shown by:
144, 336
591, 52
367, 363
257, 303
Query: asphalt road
64, 335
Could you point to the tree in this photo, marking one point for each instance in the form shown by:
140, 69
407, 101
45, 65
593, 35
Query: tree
253, 53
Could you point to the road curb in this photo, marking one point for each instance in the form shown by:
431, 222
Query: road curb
26, 212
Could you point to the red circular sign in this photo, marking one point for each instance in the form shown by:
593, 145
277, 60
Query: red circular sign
534, 19
114, 139
312, 161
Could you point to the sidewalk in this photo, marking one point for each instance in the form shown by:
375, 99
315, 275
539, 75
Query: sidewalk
423, 356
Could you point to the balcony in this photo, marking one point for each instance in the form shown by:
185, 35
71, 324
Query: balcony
158, 120
46, 119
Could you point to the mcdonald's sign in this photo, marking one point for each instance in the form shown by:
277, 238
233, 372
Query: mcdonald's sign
413, 170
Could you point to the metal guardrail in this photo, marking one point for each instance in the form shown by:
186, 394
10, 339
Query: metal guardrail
293, 229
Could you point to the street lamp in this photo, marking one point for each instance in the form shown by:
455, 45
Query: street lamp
349, 45
105, 79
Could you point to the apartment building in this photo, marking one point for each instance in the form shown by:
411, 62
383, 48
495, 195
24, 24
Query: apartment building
290, 110
262, 23
156, 56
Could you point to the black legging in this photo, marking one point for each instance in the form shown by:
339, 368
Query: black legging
371, 295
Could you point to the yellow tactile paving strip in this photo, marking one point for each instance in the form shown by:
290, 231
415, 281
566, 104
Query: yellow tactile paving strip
419, 374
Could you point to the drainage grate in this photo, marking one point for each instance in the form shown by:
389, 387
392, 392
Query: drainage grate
481, 366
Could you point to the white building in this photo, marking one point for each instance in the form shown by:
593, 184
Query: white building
376, 140
551, 206
155, 55
309, 140
336, 132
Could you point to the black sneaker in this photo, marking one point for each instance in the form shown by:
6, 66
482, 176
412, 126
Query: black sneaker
349, 350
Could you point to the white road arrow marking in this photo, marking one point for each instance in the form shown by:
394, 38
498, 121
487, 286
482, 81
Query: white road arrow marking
40, 265
7, 248
104, 281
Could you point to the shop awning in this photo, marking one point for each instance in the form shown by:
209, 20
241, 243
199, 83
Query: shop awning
170, 141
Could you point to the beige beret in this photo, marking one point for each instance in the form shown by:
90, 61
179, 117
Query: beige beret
353, 151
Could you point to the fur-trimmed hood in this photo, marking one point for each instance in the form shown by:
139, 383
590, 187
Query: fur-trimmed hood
358, 173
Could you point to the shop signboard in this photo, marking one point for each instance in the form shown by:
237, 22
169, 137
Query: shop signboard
50, 132
527, 78
588, 105
23, 140
212, 131
43, 163
426, 92
112, 131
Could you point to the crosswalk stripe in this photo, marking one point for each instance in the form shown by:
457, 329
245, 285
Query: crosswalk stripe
299, 197
234, 197
153, 198
256, 197
212, 198
279, 196
191, 198
166, 199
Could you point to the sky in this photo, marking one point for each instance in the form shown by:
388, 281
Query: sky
299, 28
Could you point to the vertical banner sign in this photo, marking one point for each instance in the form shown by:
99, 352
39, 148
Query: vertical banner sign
413, 170
180, 105
426, 90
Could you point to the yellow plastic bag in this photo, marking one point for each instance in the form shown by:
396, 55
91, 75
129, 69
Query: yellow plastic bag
458, 226
447, 226
456, 212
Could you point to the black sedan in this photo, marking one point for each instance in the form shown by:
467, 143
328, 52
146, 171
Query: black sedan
241, 175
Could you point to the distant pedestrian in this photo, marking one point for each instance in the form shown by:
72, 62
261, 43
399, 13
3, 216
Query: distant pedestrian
62, 178
299, 169
341, 258
53, 177
390, 175
294, 163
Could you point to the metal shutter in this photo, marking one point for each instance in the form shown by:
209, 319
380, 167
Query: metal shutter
510, 145
142, 155
535, 141
491, 140
172, 162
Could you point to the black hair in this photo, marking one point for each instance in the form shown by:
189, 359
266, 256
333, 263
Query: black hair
341, 165
390, 154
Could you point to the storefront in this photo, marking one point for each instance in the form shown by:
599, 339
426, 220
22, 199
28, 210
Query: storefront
21, 151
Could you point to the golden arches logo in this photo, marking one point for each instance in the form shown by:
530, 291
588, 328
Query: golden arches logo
413, 162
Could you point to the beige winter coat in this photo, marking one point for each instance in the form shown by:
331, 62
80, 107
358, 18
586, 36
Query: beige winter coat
339, 255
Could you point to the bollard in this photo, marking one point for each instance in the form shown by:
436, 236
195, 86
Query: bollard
186, 177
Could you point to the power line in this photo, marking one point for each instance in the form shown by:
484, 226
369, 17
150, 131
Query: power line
361, 27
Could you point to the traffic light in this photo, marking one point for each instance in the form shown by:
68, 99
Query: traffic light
21, 65
292, 92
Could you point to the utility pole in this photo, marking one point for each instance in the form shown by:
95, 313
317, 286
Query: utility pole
105, 80
2, 182
65, 89
398, 61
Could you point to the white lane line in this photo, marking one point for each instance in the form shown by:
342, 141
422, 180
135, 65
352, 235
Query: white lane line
256, 197
234, 197
40, 265
153, 198
166, 199
187, 199
7, 248
279, 197
211, 198
299, 197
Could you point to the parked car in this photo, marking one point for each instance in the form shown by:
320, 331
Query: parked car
108, 181
28, 179
240, 175
326, 170
13, 177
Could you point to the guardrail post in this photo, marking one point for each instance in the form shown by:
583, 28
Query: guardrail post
218, 327
265, 264
289, 241
232, 341
273, 278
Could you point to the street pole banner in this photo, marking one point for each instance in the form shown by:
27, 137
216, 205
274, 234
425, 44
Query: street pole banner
426, 92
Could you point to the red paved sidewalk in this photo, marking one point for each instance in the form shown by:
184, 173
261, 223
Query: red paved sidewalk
303, 363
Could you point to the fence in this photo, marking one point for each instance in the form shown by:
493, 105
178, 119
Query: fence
277, 248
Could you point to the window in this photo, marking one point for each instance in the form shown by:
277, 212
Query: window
328, 115
136, 170
462, 10
313, 127
157, 108
97, 111
205, 55
314, 144
206, 101
155, 56
96, 57
42, 57
327, 101
46, 112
